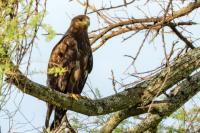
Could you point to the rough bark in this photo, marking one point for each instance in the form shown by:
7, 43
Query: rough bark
150, 121
140, 94
180, 95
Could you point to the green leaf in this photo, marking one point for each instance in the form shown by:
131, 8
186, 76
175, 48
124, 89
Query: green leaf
51, 33
57, 71
35, 20
180, 115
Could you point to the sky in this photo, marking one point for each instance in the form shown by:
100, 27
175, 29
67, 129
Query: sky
31, 111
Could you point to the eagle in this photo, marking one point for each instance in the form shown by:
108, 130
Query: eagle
69, 64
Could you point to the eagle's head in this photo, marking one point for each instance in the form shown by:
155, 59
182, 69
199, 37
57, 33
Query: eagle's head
80, 22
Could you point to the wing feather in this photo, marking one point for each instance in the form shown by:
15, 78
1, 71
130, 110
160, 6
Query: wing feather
63, 58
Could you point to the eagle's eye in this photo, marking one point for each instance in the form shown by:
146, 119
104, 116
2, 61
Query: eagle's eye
81, 19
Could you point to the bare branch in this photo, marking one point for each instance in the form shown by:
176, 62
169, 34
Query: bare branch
188, 43
183, 92
160, 22
113, 7
113, 82
159, 110
86, 7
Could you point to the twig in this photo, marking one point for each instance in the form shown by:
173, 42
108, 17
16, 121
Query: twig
86, 7
188, 43
113, 7
113, 82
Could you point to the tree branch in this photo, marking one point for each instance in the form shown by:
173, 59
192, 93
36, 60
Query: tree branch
141, 93
180, 95
188, 43
143, 21
150, 121
119, 116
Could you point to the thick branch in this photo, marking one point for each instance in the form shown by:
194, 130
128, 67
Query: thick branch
142, 93
180, 95
151, 121
119, 116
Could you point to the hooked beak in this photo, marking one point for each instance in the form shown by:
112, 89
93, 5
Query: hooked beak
87, 22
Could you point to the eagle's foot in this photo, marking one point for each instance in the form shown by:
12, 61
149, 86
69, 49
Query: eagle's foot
74, 96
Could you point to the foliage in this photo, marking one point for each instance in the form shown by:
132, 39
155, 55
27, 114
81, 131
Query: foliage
20, 21
51, 33
57, 70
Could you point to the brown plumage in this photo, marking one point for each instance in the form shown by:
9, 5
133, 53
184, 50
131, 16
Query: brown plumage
69, 65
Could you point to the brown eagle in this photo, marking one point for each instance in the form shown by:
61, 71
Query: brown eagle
69, 65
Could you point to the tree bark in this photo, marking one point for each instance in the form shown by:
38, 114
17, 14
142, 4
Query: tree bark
140, 94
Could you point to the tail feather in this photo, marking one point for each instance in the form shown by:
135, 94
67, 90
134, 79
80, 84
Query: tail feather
59, 116
48, 114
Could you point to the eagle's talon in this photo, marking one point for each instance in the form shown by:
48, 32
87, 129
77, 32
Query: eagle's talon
74, 96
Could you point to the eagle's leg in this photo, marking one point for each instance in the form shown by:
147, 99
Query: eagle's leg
74, 96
